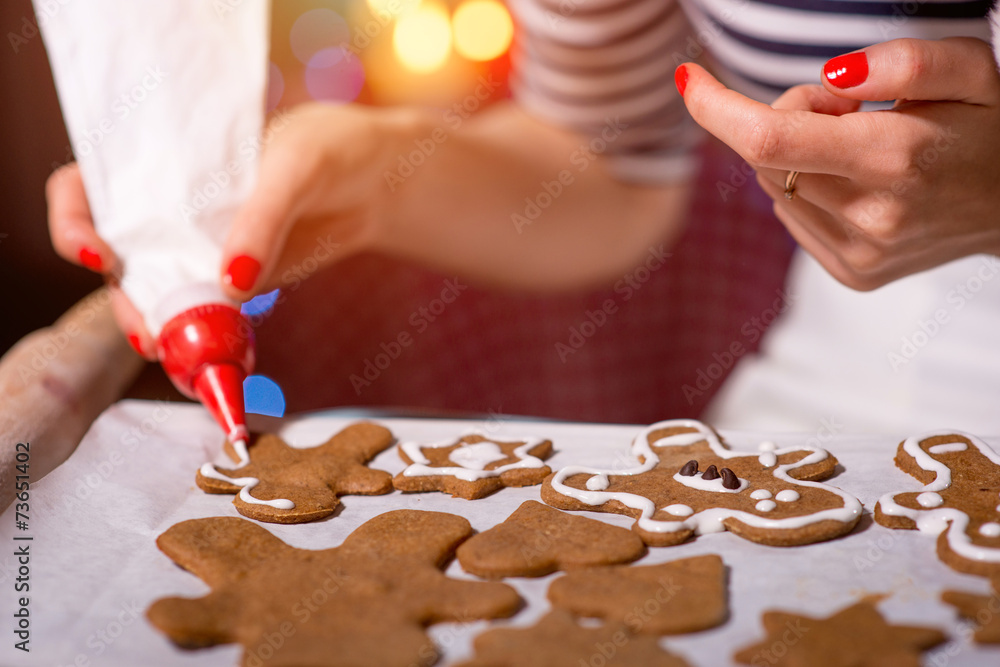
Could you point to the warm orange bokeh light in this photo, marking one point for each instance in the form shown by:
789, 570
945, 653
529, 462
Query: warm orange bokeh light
422, 38
483, 29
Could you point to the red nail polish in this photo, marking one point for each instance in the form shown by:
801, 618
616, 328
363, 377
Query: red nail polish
90, 259
133, 340
242, 272
848, 70
681, 78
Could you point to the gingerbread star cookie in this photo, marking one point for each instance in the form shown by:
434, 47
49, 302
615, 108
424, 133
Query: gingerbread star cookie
537, 540
960, 501
856, 636
982, 610
366, 602
557, 640
473, 466
278, 483
689, 483
685, 595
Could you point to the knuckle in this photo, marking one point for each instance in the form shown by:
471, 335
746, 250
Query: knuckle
763, 142
911, 60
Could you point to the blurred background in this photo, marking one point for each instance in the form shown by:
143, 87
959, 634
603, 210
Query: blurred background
380, 52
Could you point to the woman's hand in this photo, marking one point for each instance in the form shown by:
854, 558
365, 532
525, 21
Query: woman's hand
885, 194
316, 202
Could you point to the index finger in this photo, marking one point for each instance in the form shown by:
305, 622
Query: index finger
786, 139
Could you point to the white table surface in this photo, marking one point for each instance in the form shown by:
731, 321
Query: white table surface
95, 567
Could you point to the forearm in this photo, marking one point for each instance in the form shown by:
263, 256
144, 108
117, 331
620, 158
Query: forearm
55, 382
508, 201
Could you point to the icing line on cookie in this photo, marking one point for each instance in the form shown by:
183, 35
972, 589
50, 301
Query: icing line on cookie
948, 448
709, 520
696, 481
421, 468
941, 519
247, 483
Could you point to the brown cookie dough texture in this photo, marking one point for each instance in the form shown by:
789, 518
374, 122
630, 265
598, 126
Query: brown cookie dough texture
982, 610
473, 466
557, 640
681, 596
366, 602
537, 540
310, 478
689, 483
960, 501
856, 636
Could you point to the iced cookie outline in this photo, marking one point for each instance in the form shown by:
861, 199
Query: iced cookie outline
967, 542
759, 519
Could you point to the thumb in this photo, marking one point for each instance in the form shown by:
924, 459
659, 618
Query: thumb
958, 69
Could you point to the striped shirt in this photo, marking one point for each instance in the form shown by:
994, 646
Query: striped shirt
584, 63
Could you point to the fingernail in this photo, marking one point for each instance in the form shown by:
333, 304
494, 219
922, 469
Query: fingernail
681, 78
847, 71
242, 272
90, 259
133, 340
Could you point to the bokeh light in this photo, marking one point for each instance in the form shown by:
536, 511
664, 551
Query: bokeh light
275, 86
422, 39
260, 304
334, 75
317, 30
393, 8
263, 396
483, 29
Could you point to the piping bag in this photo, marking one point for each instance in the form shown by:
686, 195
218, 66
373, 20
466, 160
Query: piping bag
164, 104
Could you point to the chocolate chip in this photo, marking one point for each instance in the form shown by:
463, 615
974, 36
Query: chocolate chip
690, 468
711, 473
729, 479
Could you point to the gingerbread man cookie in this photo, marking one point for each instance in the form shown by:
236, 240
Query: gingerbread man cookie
857, 636
537, 540
473, 466
689, 483
366, 602
557, 640
959, 504
278, 483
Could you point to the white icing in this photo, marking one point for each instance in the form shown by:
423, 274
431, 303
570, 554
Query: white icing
598, 483
477, 455
787, 495
991, 529
761, 494
421, 464
210, 471
948, 448
767, 446
696, 481
708, 520
678, 510
768, 459
998, 508
929, 499
941, 519
765, 506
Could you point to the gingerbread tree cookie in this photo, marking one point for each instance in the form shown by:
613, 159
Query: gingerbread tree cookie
959, 504
537, 540
982, 610
689, 483
557, 640
857, 636
366, 602
473, 466
282, 484
685, 595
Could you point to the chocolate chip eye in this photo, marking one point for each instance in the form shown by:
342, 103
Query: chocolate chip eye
711, 473
690, 468
729, 479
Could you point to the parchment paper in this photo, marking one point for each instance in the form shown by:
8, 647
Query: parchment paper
94, 567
